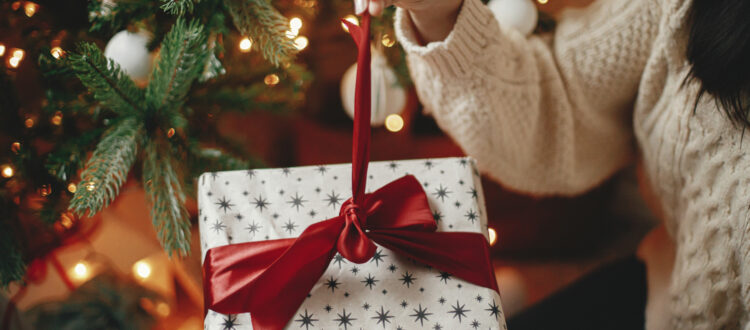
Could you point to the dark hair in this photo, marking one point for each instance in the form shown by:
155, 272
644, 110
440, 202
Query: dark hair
719, 51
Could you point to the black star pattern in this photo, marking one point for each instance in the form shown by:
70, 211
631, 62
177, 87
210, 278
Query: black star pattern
378, 257
428, 164
474, 193
286, 171
459, 311
312, 213
317, 190
290, 226
459, 285
333, 199
392, 166
437, 216
441, 300
382, 316
384, 291
421, 289
407, 279
253, 228
441, 192
306, 320
224, 204
275, 215
404, 304
437, 326
461, 182
444, 277
471, 216
494, 309
355, 270
338, 259
420, 315
463, 162
344, 319
346, 294
475, 324
281, 192
322, 169
214, 175
238, 217
218, 226
297, 201
328, 308
332, 284
370, 281
261, 203
209, 194
392, 268
479, 298
457, 204
245, 193
366, 306
230, 322
250, 173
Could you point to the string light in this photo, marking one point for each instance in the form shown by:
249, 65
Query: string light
57, 52
29, 122
90, 186
292, 33
15, 147
72, 188
14, 62
493, 236
542, 1
81, 270
30, 8
170, 133
142, 269
45, 190
387, 40
295, 23
16, 56
57, 118
2, 49
394, 123
271, 79
7, 171
162, 309
301, 42
18, 53
66, 221
352, 19
15, 5
246, 44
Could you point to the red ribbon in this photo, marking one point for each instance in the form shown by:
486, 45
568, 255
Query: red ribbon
270, 279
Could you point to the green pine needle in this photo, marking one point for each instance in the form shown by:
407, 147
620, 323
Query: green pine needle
267, 27
178, 7
164, 192
181, 60
105, 80
108, 167
12, 266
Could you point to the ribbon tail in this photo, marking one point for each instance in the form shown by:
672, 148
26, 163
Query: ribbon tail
253, 281
465, 255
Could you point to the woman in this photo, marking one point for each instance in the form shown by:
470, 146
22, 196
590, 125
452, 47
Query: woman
663, 82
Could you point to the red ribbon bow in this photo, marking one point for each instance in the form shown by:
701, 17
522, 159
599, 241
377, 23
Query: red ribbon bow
270, 279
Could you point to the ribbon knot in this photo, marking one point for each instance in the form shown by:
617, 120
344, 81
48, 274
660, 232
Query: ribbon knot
353, 243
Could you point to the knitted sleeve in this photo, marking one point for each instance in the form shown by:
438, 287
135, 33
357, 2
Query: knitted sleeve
543, 116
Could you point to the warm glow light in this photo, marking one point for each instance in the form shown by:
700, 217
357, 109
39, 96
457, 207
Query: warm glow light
72, 188
66, 221
14, 62
142, 269
493, 236
29, 123
542, 1
352, 19
45, 190
81, 270
7, 171
30, 8
90, 186
18, 53
2, 49
388, 41
246, 44
295, 23
15, 147
170, 133
292, 33
301, 42
56, 119
394, 123
56, 52
271, 79
162, 309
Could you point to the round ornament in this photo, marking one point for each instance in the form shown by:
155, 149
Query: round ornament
388, 97
129, 50
521, 15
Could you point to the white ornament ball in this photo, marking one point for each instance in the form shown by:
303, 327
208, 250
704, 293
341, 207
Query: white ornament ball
129, 50
387, 98
520, 15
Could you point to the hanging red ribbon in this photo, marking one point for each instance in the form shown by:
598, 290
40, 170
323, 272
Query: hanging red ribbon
270, 279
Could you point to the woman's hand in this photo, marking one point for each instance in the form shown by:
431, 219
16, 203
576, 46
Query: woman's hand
433, 19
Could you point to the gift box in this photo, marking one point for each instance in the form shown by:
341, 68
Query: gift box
387, 292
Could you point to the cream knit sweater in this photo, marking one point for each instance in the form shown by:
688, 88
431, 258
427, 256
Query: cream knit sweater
560, 114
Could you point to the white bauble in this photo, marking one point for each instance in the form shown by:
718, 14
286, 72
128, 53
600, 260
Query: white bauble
129, 50
520, 15
387, 98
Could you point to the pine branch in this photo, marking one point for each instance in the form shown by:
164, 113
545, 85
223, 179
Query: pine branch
178, 7
181, 60
267, 27
67, 158
108, 168
105, 80
12, 266
164, 191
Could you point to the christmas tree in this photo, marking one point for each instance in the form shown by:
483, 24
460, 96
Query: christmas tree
77, 124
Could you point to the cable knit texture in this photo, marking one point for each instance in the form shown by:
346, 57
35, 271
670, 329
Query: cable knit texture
558, 114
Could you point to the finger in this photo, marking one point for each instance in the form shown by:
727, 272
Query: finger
360, 6
377, 6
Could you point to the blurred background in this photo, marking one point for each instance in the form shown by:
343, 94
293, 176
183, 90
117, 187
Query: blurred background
242, 111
